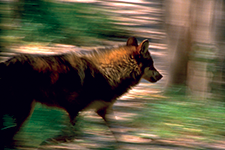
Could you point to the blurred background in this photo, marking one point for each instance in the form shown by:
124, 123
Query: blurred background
184, 110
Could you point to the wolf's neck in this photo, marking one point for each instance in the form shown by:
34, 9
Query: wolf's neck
121, 71
117, 65
121, 76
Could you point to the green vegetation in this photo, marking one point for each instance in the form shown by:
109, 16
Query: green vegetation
180, 116
45, 123
174, 116
57, 22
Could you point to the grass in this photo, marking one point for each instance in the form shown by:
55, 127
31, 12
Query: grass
171, 117
44, 123
179, 116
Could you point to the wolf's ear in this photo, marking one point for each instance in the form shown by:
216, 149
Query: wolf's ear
143, 47
132, 41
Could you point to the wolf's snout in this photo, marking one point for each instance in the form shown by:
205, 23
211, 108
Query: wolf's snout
152, 75
159, 76
156, 76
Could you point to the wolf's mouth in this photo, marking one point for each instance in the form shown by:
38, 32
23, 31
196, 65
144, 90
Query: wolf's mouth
153, 80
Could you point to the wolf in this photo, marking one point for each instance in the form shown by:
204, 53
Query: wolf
72, 81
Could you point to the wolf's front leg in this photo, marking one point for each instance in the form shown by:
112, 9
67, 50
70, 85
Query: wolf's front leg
110, 119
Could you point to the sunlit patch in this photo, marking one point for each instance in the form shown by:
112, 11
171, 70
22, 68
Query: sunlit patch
143, 90
174, 125
34, 48
126, 97
131, 104
134, 139
125, 116
123, 4
133, 1
193, 130
80, 1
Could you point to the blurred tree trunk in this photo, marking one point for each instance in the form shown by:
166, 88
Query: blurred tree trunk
189, 25
203, 51
179, 38
219, 35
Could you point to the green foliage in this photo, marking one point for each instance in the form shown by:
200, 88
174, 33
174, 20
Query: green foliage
8, 122
182, 116
45, 123
66, 23
170, 116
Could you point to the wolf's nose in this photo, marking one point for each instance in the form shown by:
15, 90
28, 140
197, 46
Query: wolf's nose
159, 77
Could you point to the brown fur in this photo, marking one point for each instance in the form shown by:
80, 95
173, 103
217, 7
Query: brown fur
73, 82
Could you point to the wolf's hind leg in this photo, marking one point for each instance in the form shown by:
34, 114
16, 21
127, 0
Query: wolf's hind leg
24, 112
20, 114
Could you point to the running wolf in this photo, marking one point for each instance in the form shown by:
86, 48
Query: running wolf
72, 81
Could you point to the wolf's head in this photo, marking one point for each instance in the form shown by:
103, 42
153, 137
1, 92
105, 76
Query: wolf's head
145, 59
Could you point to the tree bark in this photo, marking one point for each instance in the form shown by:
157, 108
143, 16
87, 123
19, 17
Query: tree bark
178, 36
189, 25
